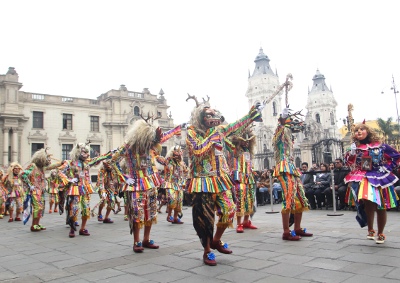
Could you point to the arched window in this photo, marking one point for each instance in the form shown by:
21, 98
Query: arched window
136, 111
317, 118
332, 119
274, 112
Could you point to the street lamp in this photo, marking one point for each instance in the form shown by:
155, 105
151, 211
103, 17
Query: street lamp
347, 122
395, 91
395, 97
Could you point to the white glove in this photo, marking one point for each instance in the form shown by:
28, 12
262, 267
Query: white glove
260, 107
353, 148
73, 180
104, 195
31, 188
130, 181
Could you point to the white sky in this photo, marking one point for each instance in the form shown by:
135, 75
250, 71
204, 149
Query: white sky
85, 48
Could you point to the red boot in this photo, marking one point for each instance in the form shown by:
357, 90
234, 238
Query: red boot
249, 225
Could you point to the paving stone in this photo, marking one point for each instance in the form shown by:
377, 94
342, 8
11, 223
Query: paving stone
326, 276
286, 269
326, 263
170, 275
242, 275
372, 270
104, 273
365, 278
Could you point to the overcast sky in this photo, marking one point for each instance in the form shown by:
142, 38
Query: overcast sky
85, 48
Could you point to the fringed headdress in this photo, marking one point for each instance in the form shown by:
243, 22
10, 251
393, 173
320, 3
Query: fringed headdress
176, 150
246, 135
40, 157
77, 149
143, 135
197, 114
10, 170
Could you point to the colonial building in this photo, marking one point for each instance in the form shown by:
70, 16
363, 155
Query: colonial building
30, 121
319, 142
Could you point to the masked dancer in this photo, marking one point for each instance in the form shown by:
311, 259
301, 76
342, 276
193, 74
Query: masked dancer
78, 186
143, 143
294, 199
35, 179
107, 184
3, 195
174, 179
54, 184
16, 192
210, 181
242, 174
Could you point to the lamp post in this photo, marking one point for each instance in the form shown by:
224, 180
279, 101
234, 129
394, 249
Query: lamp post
260, 151
395, 91
347, 123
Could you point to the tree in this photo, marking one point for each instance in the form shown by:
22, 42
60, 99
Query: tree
386, 128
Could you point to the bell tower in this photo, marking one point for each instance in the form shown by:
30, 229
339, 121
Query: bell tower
263, 83
321, 108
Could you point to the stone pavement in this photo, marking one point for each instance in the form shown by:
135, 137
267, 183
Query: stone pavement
339, 252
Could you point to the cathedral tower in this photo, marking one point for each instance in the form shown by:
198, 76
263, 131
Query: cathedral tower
261, 85
321, 109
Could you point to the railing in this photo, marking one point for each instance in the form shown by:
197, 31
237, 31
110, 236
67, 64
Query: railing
135, 94
67, 99
36, 96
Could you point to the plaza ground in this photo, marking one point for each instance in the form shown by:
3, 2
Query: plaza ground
338, 252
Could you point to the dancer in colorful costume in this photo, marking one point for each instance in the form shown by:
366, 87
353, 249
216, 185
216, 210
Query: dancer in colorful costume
54, 183
242, 174
107, 184
294, 199
210, 182
16, 193
143, 143
3, 195
371, 179
78, 186
35, 180
175, 171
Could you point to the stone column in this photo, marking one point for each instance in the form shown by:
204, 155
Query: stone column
306, 152
14, 146
5, 148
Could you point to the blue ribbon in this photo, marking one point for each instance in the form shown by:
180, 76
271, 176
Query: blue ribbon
211, 256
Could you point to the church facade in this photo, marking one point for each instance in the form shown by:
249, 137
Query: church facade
30, 121
321, 135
